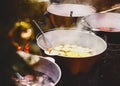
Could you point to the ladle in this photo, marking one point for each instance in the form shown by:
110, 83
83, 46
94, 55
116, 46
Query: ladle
44, 38
115, 8
19, 76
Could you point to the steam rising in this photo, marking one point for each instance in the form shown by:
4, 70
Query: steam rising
77, 1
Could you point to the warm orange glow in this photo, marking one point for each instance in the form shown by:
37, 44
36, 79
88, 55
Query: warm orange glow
26, 48
19, 48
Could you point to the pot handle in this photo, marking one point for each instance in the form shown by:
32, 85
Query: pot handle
46, 13
88, 26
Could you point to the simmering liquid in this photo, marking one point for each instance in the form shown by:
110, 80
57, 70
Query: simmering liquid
109, 29
71, 51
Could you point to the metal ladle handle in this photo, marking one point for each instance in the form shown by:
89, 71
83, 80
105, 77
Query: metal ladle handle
115, 8
19, 76
89, 27
44, 38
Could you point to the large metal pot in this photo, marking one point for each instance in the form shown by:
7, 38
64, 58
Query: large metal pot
86, 39
45, 65
49, 68
65, 15
106, 25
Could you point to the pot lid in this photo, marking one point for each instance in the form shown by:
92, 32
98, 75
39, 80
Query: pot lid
74, 10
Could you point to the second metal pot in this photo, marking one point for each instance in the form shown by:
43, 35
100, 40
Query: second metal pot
106, 25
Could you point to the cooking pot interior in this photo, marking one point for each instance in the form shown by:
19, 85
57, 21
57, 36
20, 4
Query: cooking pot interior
75, 37
49, 68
